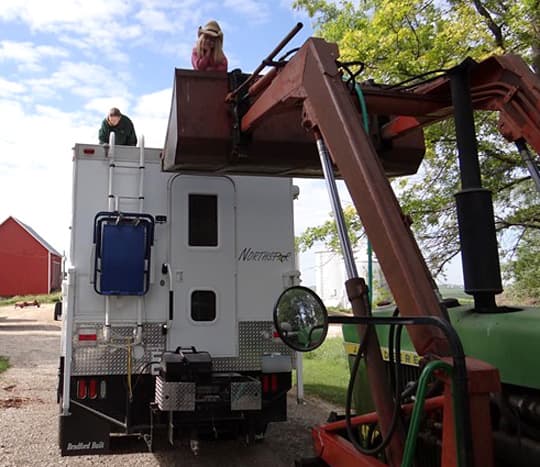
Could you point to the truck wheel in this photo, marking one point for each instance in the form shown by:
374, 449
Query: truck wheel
260, 432
58, 311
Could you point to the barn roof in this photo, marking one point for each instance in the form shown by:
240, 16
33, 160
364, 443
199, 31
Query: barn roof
34, 234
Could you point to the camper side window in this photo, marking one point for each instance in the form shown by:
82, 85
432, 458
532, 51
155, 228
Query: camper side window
203, 305
203, 220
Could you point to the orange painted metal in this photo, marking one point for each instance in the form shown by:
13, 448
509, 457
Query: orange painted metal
313, 78
308, 95
200, 128
499, 83
331, 445
483, 380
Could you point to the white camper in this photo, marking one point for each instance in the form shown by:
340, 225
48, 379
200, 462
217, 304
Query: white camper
168, 300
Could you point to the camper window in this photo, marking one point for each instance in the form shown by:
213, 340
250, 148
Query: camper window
203, 221
203, 305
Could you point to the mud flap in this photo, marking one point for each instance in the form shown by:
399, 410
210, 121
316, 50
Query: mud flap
82, 432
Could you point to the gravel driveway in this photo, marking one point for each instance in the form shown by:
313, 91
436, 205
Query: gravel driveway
28, 411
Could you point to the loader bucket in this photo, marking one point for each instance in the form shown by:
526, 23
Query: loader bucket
201, 136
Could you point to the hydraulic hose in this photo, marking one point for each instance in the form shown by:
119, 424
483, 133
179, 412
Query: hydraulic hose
463, 421
396, 382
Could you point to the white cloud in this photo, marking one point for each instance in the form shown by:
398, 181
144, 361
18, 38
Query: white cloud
82, 79
151, 116
44, 16
103, 104
9, 88
35, 166
155, 105
254, 10
155, 20
28, 55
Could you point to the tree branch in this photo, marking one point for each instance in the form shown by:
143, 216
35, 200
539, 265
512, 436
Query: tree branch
492, 25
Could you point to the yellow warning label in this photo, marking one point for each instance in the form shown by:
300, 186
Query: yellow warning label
407, 357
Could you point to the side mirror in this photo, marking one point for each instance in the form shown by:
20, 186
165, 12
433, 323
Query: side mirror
301, 319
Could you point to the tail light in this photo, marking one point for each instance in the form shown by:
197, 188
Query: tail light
93, 389
265, 383
82, 389
274, 383
270, 383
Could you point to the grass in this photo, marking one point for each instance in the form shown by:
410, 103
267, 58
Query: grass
326, 372
4, 363
46, 298
456, 292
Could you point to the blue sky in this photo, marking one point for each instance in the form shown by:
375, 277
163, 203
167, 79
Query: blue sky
64, 63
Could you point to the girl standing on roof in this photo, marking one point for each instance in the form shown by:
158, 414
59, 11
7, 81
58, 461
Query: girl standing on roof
208, 53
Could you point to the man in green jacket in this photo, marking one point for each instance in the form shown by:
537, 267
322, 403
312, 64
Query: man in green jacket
121, 126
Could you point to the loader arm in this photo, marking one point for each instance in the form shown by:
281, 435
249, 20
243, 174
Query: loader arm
500, 83
312, 83
311, 79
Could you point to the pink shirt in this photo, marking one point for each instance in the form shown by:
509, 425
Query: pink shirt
207, 63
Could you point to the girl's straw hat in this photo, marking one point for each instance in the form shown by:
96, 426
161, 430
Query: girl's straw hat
211, 29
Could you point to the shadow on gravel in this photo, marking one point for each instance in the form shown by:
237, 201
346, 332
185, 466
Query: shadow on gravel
11, 320
24, 327
222, 453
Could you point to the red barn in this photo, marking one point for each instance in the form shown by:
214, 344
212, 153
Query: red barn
28, 264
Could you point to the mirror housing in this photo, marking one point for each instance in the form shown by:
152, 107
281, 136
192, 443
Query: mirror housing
301, 319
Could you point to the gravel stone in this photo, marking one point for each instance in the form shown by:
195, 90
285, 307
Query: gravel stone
29, 412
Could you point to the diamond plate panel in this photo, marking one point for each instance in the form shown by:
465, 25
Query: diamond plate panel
172, 396
246, 395
103, 359
254, 341
253, 344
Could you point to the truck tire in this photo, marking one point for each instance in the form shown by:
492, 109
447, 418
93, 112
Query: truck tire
58, 311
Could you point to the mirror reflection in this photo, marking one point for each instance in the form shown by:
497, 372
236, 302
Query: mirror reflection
301, 318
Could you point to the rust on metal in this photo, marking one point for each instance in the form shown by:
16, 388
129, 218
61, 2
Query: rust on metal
199, 134
266, 61
313, 78
499, 83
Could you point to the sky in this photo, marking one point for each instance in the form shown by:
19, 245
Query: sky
64, 63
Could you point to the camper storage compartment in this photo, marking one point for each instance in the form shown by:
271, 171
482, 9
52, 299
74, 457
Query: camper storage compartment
185, 365
186, 383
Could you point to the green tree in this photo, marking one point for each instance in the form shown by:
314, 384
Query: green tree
401, 39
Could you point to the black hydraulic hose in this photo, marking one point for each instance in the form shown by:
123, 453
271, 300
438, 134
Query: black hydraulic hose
391, 355
288, 53
348, 404
391, 358
171, 305
270, 57
460, 369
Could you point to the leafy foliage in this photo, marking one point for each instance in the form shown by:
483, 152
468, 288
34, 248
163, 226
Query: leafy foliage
400, 39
